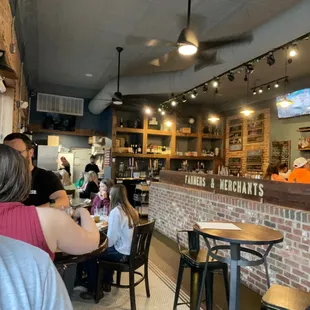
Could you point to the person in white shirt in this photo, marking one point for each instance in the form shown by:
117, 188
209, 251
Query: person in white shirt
122, 219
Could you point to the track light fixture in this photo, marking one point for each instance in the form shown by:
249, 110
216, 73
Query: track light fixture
194, 94
276, 85
205, 88
159, 110
249, 68
231, 76
260, 90
148, 111
184, 98
173, 102
270, 59
246, 78
254, 92
293, 50
163, 112
215, 83
268, 87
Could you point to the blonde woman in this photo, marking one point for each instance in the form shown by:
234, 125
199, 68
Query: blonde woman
92, 185
122, 219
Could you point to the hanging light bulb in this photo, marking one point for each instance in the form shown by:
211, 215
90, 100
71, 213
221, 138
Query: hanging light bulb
148, 111
168, 124
276, 85
194, 94
247, 112
163, 112
184, 98
284, 103
213, 119
159, 109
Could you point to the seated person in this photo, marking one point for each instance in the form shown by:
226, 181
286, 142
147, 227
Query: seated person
123, 217
301, 173
29, 279
102, 200
272, 173
65, 164
284, 171
46, 228
79, 183
65, 177
91, 187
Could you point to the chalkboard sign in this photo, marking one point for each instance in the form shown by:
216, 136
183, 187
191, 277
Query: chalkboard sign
235, 134
281, 152
234, 165
254, 161
255, 129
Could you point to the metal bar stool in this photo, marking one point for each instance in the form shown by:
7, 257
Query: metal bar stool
195, 258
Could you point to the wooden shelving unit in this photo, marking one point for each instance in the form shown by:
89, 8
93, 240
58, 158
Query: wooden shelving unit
171, 136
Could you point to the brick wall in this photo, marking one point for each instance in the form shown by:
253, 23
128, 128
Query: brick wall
14, 59
176, 208
265, 145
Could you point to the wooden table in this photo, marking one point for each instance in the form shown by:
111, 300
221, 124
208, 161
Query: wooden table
80, 202
250, 234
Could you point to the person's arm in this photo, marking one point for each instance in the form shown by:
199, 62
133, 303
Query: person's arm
61, 231
114, 227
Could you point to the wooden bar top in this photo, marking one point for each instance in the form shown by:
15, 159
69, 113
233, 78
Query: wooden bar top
290, 195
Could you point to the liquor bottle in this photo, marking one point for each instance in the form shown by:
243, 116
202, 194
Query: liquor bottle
136, 148
126, 143
121, 123
139, 149
216, 131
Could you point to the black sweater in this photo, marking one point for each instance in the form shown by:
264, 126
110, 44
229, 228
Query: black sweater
91, 187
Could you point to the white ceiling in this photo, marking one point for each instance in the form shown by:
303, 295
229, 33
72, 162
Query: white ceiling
64, 40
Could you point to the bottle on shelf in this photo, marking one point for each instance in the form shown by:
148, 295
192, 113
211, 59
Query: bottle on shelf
139, 149
126, 144
121, 123
216, 131
136, 148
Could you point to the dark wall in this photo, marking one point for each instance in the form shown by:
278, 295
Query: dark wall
101, 122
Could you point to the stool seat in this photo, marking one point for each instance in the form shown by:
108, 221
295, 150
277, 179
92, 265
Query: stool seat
280, 297
197, 258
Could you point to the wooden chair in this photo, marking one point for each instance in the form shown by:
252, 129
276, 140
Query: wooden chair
280, 297
139, 255
195, 258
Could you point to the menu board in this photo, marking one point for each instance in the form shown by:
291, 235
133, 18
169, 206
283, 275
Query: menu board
281, 152
235, 134
234, 166
254, 161
255, 129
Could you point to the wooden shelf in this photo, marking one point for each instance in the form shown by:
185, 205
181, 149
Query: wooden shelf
187, 135
158, 132
303, 130
212, 137
140, 155
305, 149
129, 130
79, 132
192, 157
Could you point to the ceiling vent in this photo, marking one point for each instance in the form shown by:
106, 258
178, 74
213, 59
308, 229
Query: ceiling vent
60, 104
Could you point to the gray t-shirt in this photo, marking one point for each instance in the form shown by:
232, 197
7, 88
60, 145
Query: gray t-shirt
29, 279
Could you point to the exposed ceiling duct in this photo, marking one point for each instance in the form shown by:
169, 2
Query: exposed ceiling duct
272, 34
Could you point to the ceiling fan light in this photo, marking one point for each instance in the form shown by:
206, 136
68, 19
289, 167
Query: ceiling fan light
187, 49
284, 103
117, 98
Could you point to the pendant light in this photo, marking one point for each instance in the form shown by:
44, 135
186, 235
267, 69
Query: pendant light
246, 111
285, 103
118, 97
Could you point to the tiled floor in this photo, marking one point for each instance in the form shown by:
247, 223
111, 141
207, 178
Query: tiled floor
164, 262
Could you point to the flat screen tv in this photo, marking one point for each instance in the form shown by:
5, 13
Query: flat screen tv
300, 106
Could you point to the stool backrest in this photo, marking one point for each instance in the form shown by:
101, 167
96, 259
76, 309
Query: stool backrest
140, 244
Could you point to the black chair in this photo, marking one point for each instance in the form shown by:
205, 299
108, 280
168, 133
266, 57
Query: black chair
139, 255
280, 297
67, 264
195, 258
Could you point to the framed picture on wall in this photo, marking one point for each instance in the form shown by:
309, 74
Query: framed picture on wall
235, 134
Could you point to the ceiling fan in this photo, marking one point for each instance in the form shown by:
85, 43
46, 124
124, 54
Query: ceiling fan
188, 45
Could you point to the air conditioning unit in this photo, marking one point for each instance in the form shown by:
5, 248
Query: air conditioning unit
60, 104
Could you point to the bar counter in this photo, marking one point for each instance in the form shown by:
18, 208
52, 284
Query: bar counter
181, 199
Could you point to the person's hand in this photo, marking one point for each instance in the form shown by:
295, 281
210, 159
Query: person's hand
103, 195
77, 213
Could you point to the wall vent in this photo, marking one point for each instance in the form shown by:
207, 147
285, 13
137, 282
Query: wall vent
60, 104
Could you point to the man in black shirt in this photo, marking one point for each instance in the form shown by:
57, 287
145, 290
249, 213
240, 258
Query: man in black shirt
92, 166
46, 188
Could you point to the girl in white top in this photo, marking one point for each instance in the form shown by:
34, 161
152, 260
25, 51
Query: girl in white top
122, 219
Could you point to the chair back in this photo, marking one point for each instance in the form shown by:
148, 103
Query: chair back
70, 192
193, 242
140, 244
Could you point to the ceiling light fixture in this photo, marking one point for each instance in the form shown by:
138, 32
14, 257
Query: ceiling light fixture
293, 50
247, 112
270, 59
168, 124
184, 98
213, 119
215, 83
194, 94
276, 85
148, 111
249, 68
254, 92
260, 90
118, 97
284, 103
205, 88
163, 112
88, 75
231, 76
268, 87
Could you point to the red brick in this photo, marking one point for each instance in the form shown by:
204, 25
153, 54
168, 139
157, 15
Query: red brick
283, 279
285, 228
297, 232
306, 227
276, 220
298, 273
293, 237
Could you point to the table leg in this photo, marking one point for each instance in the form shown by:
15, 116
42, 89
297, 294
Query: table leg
234, 299
196, 286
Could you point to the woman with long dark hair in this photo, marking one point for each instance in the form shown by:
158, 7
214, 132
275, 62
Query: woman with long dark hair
272, 173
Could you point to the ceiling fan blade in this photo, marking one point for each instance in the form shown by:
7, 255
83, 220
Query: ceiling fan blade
225, 41
134, 40
205, 59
